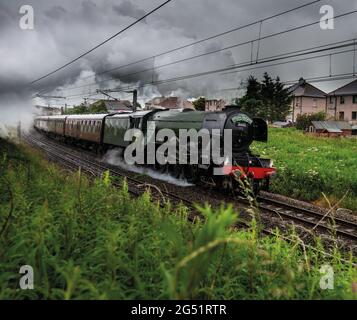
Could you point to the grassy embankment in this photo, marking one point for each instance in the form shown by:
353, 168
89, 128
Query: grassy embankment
310, 166
89, 240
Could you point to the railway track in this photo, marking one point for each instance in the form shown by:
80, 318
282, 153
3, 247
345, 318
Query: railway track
310, 220
73, 161
314, 220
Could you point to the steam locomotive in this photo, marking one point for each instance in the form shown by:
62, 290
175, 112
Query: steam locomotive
102, 132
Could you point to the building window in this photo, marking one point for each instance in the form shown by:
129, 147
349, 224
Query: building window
355, 99
354, 115
314, 103
342, 116
331, 100
342, 100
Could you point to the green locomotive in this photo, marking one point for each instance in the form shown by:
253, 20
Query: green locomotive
108, 131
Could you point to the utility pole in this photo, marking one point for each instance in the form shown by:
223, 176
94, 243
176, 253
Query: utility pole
135, 99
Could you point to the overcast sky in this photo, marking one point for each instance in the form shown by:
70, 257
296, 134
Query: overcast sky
65, 29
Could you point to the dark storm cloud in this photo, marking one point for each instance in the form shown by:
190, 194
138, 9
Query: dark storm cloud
65, 29
56, 12
7, 17
127, 8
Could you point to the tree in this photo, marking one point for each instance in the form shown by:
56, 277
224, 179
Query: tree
200, 104
253, 88
267, 99
281, 102
81, 109
252, 102
98, 107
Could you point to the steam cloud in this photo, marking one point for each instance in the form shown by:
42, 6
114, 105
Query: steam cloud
113, 157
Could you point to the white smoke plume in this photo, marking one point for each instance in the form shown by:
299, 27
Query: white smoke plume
114, 158
15, 109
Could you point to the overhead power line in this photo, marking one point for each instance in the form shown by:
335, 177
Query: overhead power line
102, 43
327, 78
187, 59
220, 50
243, 65
205, 39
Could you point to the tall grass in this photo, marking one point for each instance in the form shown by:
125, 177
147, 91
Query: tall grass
89, 240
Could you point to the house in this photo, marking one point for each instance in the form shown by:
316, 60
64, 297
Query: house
307, 99
215, 105
331, 129
118, 105
344, 102
168, 103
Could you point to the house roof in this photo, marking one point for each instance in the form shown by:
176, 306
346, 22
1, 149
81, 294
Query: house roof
346, 90
343, 125
305, 89
332, 126
118, 105
170, 103
156, 100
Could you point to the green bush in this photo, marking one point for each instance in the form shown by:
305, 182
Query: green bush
304, 121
